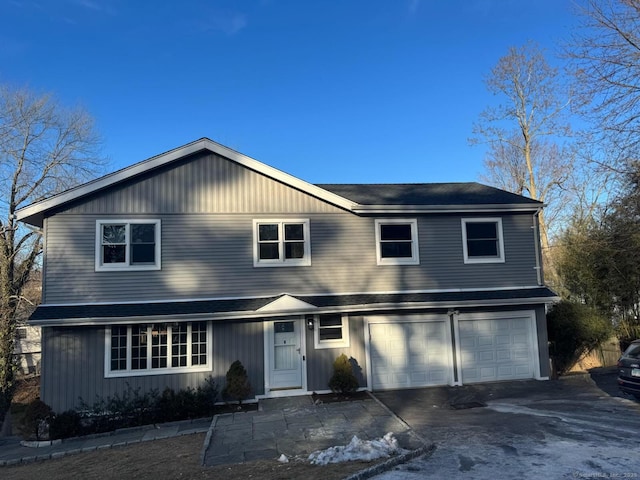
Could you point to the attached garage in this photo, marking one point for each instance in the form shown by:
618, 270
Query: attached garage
496, 347
409, 351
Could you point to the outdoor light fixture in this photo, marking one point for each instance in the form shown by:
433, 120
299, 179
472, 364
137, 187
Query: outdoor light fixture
309, 319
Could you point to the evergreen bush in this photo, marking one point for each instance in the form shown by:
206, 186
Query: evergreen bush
35, 422
66, 424
574, 329
237, 386
132, 408
343, 380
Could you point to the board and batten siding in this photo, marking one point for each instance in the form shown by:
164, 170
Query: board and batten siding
208, 256
73, 364
201, 184
320, 361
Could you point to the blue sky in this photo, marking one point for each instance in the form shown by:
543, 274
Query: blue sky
330, 91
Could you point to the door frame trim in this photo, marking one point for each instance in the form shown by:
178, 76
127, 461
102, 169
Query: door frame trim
268, 336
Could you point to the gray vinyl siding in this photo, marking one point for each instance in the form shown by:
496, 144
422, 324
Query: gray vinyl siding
73, 364
202, 184
207, 204
320, 361
208, 256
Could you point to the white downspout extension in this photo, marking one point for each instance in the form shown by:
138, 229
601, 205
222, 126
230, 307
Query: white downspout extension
536, 242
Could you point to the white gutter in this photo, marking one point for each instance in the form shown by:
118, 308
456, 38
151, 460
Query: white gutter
511, 207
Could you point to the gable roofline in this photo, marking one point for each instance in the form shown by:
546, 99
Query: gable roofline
387, 198
34, 213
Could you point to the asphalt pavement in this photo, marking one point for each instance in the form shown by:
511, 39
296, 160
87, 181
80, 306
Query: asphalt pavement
580, 426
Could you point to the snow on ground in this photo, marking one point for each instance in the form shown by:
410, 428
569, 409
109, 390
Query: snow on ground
559, 459
358, 450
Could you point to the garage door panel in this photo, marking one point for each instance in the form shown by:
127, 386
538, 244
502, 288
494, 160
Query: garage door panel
408, 354
521, 338
496, 349
488, 356
501, 326
520, 324
504, 355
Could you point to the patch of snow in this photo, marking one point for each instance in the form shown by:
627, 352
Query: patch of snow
358, 450
283, 458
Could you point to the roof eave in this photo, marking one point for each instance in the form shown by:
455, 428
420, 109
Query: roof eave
252, 315
480, 208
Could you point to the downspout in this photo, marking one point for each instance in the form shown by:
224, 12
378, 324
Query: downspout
536, 243
454, 351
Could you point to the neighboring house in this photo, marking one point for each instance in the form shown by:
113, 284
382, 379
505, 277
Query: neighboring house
164, 273
28, 349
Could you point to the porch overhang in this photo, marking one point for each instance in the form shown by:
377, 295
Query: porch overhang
280, 305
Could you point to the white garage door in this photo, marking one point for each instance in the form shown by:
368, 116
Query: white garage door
494, 349
411, 354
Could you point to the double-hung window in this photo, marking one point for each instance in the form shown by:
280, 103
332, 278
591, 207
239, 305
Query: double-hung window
397, 242
331, 331
482, 240
281, 243
157, 348
127, 245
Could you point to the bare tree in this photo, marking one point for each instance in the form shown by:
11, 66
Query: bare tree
523, 132
552, 171
605, 53
44, 148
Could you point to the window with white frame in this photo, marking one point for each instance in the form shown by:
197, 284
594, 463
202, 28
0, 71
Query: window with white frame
331, 330
157, 348
482, 240
127, 245
281, 243
397, 242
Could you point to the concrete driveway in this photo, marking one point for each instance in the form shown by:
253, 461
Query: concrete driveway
568, 428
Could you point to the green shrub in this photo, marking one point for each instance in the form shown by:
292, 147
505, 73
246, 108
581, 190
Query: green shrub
35, 422
128, 409
133, 408
574, 329
627, 331
343, 380
66, 424
237, 386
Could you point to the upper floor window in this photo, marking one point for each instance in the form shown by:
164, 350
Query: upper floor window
157, 348
482, 240
127, 244
397, 242
281, 243
331, 331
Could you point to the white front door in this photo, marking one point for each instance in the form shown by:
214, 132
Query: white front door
286, 353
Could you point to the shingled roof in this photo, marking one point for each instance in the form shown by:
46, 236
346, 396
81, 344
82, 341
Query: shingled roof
427, 194
358, 198
225, 309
